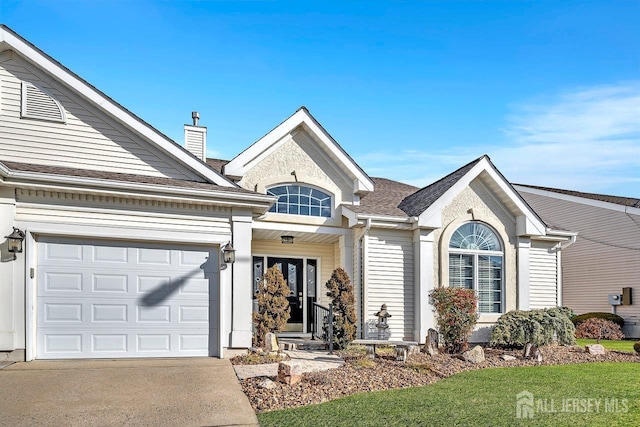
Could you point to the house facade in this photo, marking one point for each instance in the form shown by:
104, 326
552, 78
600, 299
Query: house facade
125, 229
606, 256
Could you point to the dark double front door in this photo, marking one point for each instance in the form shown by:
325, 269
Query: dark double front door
300, 298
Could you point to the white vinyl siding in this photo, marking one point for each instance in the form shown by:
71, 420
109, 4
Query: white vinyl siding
543, 275
52, 208
88, 139
390, 280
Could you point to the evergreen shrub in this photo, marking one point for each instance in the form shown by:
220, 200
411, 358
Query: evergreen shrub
538, 327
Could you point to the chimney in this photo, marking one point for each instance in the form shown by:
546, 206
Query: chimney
195, 138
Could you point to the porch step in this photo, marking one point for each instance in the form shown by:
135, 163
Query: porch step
301, 344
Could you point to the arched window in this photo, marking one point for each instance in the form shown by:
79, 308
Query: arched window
300, 200
476, 262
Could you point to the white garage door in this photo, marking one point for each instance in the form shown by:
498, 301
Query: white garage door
101, 299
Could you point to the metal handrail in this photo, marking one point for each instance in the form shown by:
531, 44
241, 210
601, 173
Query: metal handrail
322, 325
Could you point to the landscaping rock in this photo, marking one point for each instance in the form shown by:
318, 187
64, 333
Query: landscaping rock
532, 352
267, 384
508, 357
475, 355
289, 372
431, 343
597, 349
270, 342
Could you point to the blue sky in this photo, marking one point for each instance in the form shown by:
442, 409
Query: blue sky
412, 90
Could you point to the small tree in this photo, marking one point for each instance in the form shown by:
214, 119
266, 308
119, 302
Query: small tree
457, 315
344, 313
273, 306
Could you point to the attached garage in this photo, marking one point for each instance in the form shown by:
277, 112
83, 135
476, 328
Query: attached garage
111, 299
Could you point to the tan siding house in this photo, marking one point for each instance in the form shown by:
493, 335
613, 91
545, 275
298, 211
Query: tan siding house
606, 255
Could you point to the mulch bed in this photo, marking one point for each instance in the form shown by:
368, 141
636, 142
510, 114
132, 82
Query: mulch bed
359, 374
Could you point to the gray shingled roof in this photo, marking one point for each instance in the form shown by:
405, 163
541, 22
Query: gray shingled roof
384, 199
418, 202
217, 164
618, 200
123, 177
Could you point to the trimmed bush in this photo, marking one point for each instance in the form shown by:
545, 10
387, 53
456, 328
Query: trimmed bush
600, 315
636, 347
273, 306
457, 315
538, 327
599, 329
344, 313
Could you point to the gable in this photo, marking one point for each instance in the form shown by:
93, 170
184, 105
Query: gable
315, 141
297, 160
95, 133
448, 188
85, 139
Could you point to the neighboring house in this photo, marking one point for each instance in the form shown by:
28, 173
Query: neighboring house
124, 229
606, 255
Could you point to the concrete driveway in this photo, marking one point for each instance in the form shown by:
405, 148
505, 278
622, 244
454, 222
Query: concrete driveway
148, 392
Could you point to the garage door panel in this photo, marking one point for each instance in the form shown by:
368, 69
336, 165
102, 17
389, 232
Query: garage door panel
108, 299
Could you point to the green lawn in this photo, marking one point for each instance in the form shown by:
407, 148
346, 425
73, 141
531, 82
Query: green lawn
488, 397
619, 345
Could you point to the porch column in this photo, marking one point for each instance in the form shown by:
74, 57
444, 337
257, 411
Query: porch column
524, 247
424, 273
242, 304
346, 254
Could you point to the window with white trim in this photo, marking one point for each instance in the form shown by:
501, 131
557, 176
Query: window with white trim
476, 262
298, 199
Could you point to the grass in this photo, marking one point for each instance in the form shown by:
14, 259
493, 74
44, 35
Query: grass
618, 345
486, 397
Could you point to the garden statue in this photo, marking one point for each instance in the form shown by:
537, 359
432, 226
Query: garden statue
382, 325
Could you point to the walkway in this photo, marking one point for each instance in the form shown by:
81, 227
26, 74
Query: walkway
311, 360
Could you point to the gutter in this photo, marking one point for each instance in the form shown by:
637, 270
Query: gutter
363, 301
128, 189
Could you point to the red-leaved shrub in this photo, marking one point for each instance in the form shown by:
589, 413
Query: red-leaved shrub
599, 329
457, 315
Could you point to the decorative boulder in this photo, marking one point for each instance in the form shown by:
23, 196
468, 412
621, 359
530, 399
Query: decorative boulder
290, 372
270, 342
597, 349
475, 355
267, 384
431, 343
507, 357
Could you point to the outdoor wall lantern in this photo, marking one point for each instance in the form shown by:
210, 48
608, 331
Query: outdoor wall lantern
15, 241
228, 254
286, 240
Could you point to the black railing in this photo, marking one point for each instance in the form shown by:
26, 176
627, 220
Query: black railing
322, 326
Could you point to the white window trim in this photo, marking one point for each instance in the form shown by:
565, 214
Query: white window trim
476, 254
314, 187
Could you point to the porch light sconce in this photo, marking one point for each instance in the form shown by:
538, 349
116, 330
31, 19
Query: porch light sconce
286, 240
15, 241
228, 254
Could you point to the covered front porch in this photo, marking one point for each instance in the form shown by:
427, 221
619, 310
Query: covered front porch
307, 257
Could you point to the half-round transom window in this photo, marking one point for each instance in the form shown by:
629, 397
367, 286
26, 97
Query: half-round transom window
300, 200
476, 262
475, 236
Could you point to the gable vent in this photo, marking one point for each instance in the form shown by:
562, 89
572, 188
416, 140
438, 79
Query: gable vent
38, 104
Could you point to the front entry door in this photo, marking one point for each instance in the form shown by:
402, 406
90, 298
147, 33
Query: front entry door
291, 269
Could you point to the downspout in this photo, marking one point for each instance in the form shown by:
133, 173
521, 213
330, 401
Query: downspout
571, 241
363, 301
